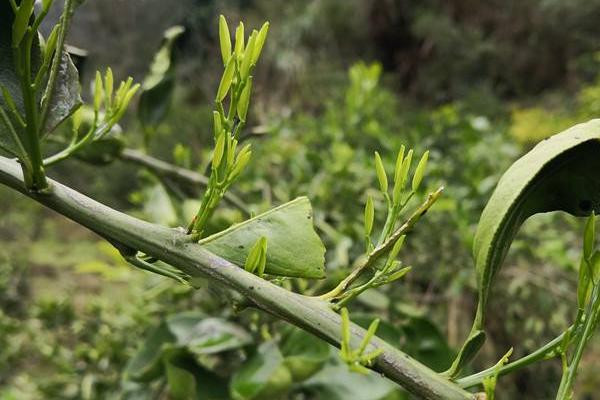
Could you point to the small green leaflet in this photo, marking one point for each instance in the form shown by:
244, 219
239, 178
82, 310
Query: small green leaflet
294, 248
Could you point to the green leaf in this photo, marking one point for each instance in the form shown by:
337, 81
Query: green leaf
181, 382
66, 95
51, 44
248, 55
335, 382
158, 206
559, 174
294, 249
369, 216
304, 354
239, 40
264, 376
158, 84
146, 364
260, 42
226, 80
219, 149
242, 106
224, 39
206, 335
420, 171
381, 175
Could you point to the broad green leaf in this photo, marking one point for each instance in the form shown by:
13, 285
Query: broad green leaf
158, 85
304, 354
264, 376
294, 249
146, 364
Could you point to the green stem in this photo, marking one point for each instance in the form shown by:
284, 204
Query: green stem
539, 354
22, 54
384, 247
568, 378
174, 248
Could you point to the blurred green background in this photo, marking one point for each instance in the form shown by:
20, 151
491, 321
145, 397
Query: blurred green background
476, 83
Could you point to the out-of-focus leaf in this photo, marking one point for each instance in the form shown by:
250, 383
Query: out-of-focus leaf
158, 206
180, 381
157, 87
102, 151
424, 341
264, 376
294, 247
385, 330
336, 382
303, 353
146, 364
202, 335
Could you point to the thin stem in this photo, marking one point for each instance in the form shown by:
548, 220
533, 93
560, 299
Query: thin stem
568, 379
22, 56
384, 247
175, 248
16, 139
537, 355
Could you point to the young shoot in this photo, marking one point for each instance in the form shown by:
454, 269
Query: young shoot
228, 162
257, 258
109, 106
391, 238
357, 359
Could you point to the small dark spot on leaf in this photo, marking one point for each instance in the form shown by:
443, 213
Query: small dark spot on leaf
241, 246
251, 287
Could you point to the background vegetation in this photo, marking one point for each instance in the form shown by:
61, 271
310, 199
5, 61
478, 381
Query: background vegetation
476, 83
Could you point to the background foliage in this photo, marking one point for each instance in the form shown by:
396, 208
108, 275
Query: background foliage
475, 83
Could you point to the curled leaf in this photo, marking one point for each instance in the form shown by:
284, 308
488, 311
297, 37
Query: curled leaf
559, 174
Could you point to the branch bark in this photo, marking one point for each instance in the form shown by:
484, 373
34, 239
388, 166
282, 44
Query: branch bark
175, 248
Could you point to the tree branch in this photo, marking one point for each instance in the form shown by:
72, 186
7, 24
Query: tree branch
192, 179
175, 248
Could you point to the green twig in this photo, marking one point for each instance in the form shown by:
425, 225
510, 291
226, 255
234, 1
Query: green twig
384, 247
